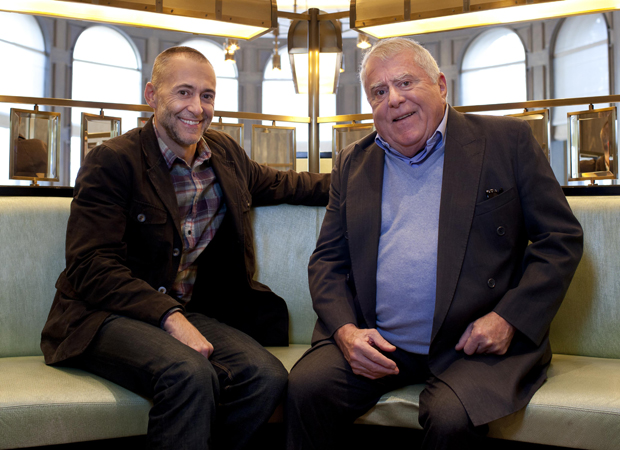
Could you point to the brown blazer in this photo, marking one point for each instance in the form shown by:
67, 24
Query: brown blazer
123, 235
484, 262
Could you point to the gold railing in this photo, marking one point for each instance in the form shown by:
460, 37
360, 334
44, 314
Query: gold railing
140, 108
550, 103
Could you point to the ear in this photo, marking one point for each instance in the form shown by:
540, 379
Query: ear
443, 86
150, 95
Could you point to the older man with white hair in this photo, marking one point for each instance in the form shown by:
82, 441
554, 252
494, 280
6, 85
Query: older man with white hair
423, 273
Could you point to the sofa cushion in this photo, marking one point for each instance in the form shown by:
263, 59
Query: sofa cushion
578, 407
43, 405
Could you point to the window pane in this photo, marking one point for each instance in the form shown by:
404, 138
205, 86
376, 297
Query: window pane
494, 85
110, 74
286, 73
28, 81
21, 29
494, 70
492, 48
279, 98
104, 45
581, 31
227, 89
227, 96
215, 54
581, 65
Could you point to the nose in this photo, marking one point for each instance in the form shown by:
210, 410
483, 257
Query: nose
195, 106
395, 98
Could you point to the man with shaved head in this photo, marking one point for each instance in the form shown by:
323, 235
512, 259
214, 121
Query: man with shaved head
158, 292
422, 271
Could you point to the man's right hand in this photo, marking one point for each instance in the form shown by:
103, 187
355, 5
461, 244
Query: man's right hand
359, 347
181, 329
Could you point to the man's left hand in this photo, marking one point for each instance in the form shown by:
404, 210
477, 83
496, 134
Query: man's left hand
489, 334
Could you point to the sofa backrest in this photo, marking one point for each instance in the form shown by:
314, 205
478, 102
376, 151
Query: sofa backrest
285, 237
32, 255
588, 322
32, 236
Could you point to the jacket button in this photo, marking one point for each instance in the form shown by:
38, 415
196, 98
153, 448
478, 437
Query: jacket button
491, 283
501, 231
141, 217
176, 252
162, 290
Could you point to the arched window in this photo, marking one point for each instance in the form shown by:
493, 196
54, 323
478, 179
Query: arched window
279, 98
23, 58
227, 88
106, 68
493, 69
580, 65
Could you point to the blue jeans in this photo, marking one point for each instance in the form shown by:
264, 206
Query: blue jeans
198, 403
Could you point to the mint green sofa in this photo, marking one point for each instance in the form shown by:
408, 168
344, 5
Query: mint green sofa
579, 405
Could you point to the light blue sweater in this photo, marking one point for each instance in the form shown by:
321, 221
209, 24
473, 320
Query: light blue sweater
407, 262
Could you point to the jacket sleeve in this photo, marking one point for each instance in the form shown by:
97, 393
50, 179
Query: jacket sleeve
329, 271
556, 243
269, 186
98, 267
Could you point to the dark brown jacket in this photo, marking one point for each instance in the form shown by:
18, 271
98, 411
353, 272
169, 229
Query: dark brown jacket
123, 235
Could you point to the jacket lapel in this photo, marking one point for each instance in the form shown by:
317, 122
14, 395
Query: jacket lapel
363, 218
159, 173
463, 158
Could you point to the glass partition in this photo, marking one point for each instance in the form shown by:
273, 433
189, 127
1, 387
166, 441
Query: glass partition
234, 130
98, 129
539, 123
344, 135
274, 146
35, 137
592, 145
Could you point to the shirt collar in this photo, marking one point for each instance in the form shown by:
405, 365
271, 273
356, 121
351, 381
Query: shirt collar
437, 140
204, 153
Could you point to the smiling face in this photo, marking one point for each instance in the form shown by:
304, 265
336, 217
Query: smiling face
183, 102
407, 106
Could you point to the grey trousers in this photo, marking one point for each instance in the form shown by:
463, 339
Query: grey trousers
324, 396
198, 403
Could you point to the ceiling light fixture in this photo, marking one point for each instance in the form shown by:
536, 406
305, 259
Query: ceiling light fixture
276, 64
242, 19
390, 18
363, 41
329, 54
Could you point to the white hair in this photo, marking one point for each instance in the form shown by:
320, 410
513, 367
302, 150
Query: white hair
387, 48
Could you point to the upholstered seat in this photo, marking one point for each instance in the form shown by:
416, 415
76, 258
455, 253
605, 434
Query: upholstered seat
578, 406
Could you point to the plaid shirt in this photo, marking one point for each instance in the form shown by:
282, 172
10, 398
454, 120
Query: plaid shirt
201, 207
